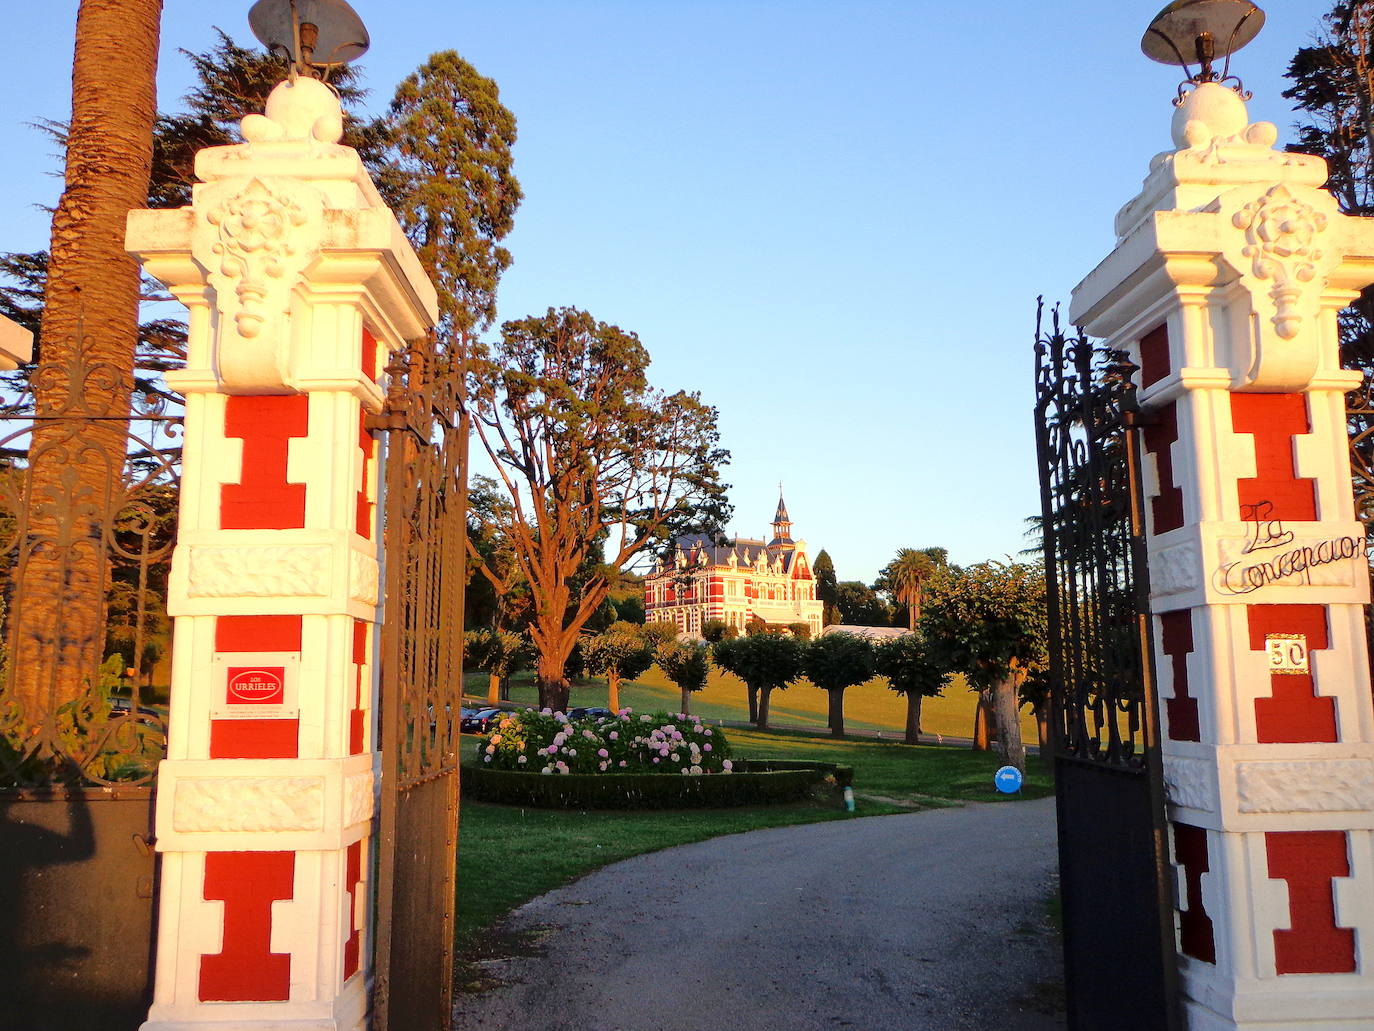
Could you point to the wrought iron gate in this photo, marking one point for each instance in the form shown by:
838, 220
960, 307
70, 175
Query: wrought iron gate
421, 676
1115, 878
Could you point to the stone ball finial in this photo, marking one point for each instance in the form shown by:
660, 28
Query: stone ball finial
298, 109
1209, 111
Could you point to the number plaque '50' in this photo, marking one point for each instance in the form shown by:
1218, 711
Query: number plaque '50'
1287, 653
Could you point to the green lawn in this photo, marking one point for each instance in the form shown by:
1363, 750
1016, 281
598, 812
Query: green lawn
871, 706
508, 855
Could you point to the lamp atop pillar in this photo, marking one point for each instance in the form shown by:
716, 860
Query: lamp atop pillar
1205, 29
316, 35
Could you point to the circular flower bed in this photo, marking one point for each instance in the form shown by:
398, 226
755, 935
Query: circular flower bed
550, 743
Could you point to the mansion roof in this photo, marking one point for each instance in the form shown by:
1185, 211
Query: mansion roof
746, 551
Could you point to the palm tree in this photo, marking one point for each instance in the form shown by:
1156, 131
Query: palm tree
906, 576
91, 304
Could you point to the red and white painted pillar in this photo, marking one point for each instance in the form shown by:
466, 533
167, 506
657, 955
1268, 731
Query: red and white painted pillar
299, 282
1229, 270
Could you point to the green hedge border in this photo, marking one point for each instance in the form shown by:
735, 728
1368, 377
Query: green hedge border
753, 782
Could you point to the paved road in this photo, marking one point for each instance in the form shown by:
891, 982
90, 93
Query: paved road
931, 920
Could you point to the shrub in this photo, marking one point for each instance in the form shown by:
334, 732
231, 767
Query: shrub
755, 782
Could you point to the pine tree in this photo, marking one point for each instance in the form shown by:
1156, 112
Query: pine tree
449, 178
827, 588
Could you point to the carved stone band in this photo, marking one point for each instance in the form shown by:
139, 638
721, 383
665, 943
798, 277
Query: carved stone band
1190, 783
279, 571
212, 804
271, 571
359, 798
1305, 786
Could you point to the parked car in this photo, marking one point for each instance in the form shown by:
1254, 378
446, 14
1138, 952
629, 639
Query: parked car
479, 722
120, 706
594, 712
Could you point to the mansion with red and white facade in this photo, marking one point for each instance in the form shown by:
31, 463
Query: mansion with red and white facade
735, 582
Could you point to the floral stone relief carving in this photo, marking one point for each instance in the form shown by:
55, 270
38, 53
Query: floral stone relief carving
1281, 234
256, 238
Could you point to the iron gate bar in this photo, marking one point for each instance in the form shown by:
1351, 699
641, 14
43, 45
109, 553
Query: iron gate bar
1359, 414
1116, 879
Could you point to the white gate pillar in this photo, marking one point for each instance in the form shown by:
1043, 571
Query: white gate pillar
1229, 269
299, 283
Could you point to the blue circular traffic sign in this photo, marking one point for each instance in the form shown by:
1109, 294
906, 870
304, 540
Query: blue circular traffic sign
1008, 780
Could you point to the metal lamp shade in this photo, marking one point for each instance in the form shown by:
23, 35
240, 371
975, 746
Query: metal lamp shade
1172, 34
342, 35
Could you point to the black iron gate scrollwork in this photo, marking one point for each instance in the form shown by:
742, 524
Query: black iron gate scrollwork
1115, 879
424, 527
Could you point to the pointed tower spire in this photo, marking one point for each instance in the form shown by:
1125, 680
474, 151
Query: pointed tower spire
782, 525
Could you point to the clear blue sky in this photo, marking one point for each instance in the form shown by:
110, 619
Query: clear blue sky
831, 218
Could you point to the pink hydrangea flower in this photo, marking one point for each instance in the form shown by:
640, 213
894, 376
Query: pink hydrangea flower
603, 753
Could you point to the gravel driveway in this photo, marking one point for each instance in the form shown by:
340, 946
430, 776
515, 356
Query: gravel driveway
925, 920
